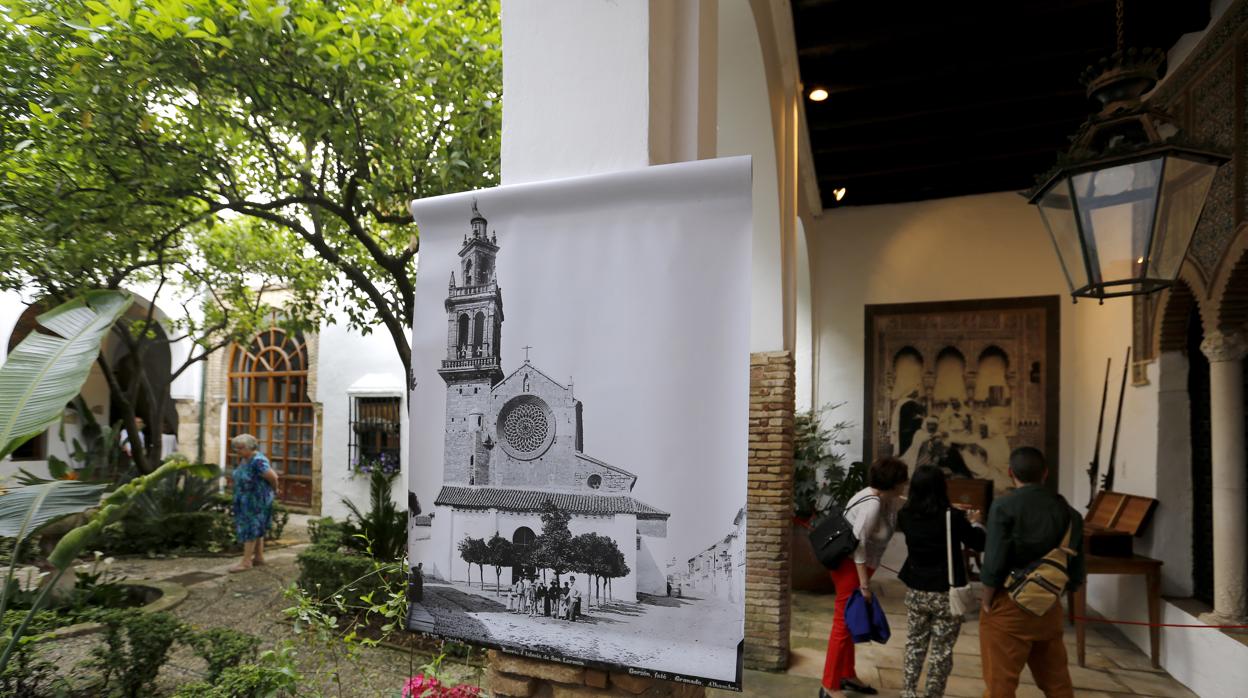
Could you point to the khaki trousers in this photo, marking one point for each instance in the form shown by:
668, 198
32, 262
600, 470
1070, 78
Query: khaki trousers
1010, 638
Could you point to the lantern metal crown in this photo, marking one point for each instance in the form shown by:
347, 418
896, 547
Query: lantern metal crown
1122, 204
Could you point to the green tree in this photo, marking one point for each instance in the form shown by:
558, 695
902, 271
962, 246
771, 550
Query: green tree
553, 549
474, 551
500, 553
320, 119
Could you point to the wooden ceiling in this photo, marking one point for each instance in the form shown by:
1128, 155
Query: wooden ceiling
938, 99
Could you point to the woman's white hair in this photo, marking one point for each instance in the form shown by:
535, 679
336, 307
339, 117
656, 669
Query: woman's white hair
245, 441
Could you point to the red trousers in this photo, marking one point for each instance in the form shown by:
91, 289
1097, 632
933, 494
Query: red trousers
840, 660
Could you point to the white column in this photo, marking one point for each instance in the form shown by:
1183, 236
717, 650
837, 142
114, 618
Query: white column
1226, 351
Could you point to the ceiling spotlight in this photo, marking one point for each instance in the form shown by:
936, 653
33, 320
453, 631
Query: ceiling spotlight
818, 94
839, 193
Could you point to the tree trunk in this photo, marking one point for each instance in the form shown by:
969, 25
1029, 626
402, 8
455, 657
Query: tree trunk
498, 580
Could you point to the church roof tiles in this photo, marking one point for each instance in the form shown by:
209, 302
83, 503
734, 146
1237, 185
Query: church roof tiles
532, 500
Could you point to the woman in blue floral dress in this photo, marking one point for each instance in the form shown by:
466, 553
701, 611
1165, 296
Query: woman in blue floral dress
254, 485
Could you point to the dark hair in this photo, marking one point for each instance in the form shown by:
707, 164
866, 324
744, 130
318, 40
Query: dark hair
887, 473
1027, 464
929, 493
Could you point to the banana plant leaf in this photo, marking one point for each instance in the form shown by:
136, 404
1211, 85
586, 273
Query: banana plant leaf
23, 510
45, 372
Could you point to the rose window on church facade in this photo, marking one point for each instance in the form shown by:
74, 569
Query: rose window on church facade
526, 427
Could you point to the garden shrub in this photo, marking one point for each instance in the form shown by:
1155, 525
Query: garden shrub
136, 646
324, 571
222, 649
209, 530
271, 676
277, 524
325, 531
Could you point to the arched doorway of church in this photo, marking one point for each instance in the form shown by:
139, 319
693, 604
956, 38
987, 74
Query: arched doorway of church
1202, 460
522, 542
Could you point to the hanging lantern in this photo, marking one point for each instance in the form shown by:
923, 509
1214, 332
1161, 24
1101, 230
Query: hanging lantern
1122, 204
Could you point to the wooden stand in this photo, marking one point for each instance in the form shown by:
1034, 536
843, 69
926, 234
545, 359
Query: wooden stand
1146, 567
1113, 522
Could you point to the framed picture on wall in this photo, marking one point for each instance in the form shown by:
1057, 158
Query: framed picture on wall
959, 384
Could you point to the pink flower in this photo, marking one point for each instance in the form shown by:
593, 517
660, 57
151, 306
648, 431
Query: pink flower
421, 686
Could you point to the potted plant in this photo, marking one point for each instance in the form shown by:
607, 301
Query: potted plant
820, 480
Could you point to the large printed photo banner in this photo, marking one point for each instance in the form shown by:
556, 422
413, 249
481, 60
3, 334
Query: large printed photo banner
578, 461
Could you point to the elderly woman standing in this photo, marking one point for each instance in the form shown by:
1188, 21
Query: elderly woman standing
254, 485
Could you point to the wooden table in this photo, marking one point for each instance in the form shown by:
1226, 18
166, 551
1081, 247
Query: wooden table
1146, 567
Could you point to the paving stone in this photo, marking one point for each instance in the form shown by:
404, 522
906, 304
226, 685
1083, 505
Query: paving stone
1150, 684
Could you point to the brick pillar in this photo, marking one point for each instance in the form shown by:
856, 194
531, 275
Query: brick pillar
769, 511
516, 677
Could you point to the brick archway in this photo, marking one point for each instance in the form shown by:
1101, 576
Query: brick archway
1175, 310
1232, 303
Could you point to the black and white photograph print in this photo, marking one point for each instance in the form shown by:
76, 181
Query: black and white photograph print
579, 420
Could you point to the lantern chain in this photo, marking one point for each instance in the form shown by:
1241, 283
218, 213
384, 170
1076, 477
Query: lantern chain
1118, 22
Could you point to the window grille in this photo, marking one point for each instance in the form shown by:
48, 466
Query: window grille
374, 435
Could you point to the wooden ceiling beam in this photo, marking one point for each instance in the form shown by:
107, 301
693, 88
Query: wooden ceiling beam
990, 110
883, 142
977, 158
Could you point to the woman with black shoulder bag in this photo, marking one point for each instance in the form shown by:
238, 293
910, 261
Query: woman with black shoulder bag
872, 515
935, 575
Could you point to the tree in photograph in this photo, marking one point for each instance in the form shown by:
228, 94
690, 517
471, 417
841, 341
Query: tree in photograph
320, 118
474, 551
553, 548
615, 567
592, 555
500, 553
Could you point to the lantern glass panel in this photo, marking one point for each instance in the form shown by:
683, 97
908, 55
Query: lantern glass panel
1185, 185
1057, 210
1116, 206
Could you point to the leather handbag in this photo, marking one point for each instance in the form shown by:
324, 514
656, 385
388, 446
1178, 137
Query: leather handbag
833, 539
962, 599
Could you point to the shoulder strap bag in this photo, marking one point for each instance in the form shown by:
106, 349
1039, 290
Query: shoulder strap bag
1039, 587
962, 599
833, 539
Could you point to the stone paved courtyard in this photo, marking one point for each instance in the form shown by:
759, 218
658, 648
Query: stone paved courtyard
1116, 668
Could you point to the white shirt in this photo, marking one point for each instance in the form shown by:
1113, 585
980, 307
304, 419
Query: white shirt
873, 523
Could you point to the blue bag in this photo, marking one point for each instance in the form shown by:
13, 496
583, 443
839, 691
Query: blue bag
866, 621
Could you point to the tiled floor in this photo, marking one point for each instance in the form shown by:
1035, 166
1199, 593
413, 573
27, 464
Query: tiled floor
1114, 666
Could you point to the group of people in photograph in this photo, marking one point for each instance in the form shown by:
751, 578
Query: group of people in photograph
530, 596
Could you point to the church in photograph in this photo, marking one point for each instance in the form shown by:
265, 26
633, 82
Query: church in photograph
515, 441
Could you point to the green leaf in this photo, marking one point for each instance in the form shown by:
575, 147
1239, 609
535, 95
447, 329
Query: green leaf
210, 26
23, 510
45, 372
121, 7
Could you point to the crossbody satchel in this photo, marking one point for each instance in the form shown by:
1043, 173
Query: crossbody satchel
833, 539
962, 599
1039, 587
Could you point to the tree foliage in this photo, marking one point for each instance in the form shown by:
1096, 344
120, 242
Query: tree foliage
500, 554
596, 556
137, 123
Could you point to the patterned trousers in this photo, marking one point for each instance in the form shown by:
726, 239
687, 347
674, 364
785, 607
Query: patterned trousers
929, 621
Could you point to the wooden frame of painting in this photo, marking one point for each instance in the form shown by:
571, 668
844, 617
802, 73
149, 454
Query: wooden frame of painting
962, 383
